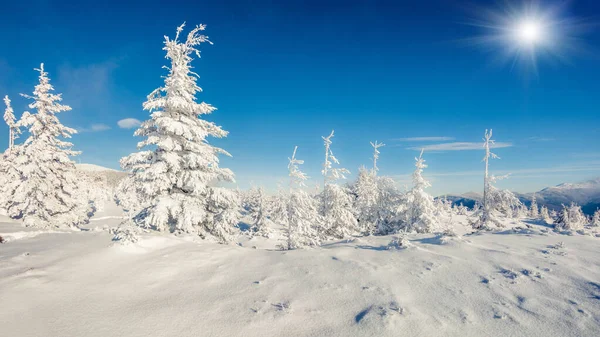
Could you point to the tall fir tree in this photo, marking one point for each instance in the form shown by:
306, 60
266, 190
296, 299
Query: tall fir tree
45, 191
336, 203
9, 118
303, 218
175, 180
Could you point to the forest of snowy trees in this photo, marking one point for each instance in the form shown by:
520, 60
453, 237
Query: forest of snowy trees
173, 182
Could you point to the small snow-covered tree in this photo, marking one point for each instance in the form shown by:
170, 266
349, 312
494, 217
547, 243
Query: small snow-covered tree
330, 173
9, 118
421, 212
175, 180
278, 208
366, 191
303, 218
486, 217
576, 216
570, 218
544, 214
336, 202
596, 218
45, 191
376, 153
391, 204
461, 209
257, 206
534, 209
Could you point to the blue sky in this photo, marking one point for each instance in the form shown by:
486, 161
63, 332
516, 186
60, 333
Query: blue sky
285, 73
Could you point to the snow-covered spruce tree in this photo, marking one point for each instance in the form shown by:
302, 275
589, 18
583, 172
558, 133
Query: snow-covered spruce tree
562, 221
8, 171
45, 191
278, 206
376, 153
534, 209
175, 179
9, 118
461, 209
391, 204
366, 192
570, 218
335, 200
257, 206
486, 217
421, 213
576, 216
544, 215
596, 218
303, 218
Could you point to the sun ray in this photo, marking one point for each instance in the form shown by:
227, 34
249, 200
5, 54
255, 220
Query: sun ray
524, 33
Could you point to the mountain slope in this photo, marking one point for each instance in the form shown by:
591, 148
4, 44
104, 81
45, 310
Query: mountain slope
585, 193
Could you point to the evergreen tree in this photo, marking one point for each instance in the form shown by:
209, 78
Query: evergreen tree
336, 202
570, 218
175, 180
596, 218
420, 215
256, 205
303, 219
44, 191
9, 118
494, 200
544, 214
376, 153
366, 191
534, 210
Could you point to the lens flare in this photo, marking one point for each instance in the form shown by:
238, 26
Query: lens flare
523, 34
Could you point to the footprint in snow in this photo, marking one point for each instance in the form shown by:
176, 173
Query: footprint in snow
379, 312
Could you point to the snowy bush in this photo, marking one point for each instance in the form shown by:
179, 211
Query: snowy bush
174, 181
399, 242
40, 184
125, 234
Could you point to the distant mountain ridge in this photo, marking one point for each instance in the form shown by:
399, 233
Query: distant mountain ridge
585, 193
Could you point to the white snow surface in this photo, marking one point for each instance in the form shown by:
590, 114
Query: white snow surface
515, 282
93, 168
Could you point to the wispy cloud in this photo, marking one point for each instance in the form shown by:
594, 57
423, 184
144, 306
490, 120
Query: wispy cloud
540, 139
458, 146
94, 128
586, 155
424, 139
128, 123
87, 85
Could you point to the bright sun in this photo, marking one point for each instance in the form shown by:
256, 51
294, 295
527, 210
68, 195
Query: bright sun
523, 31
529, 32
